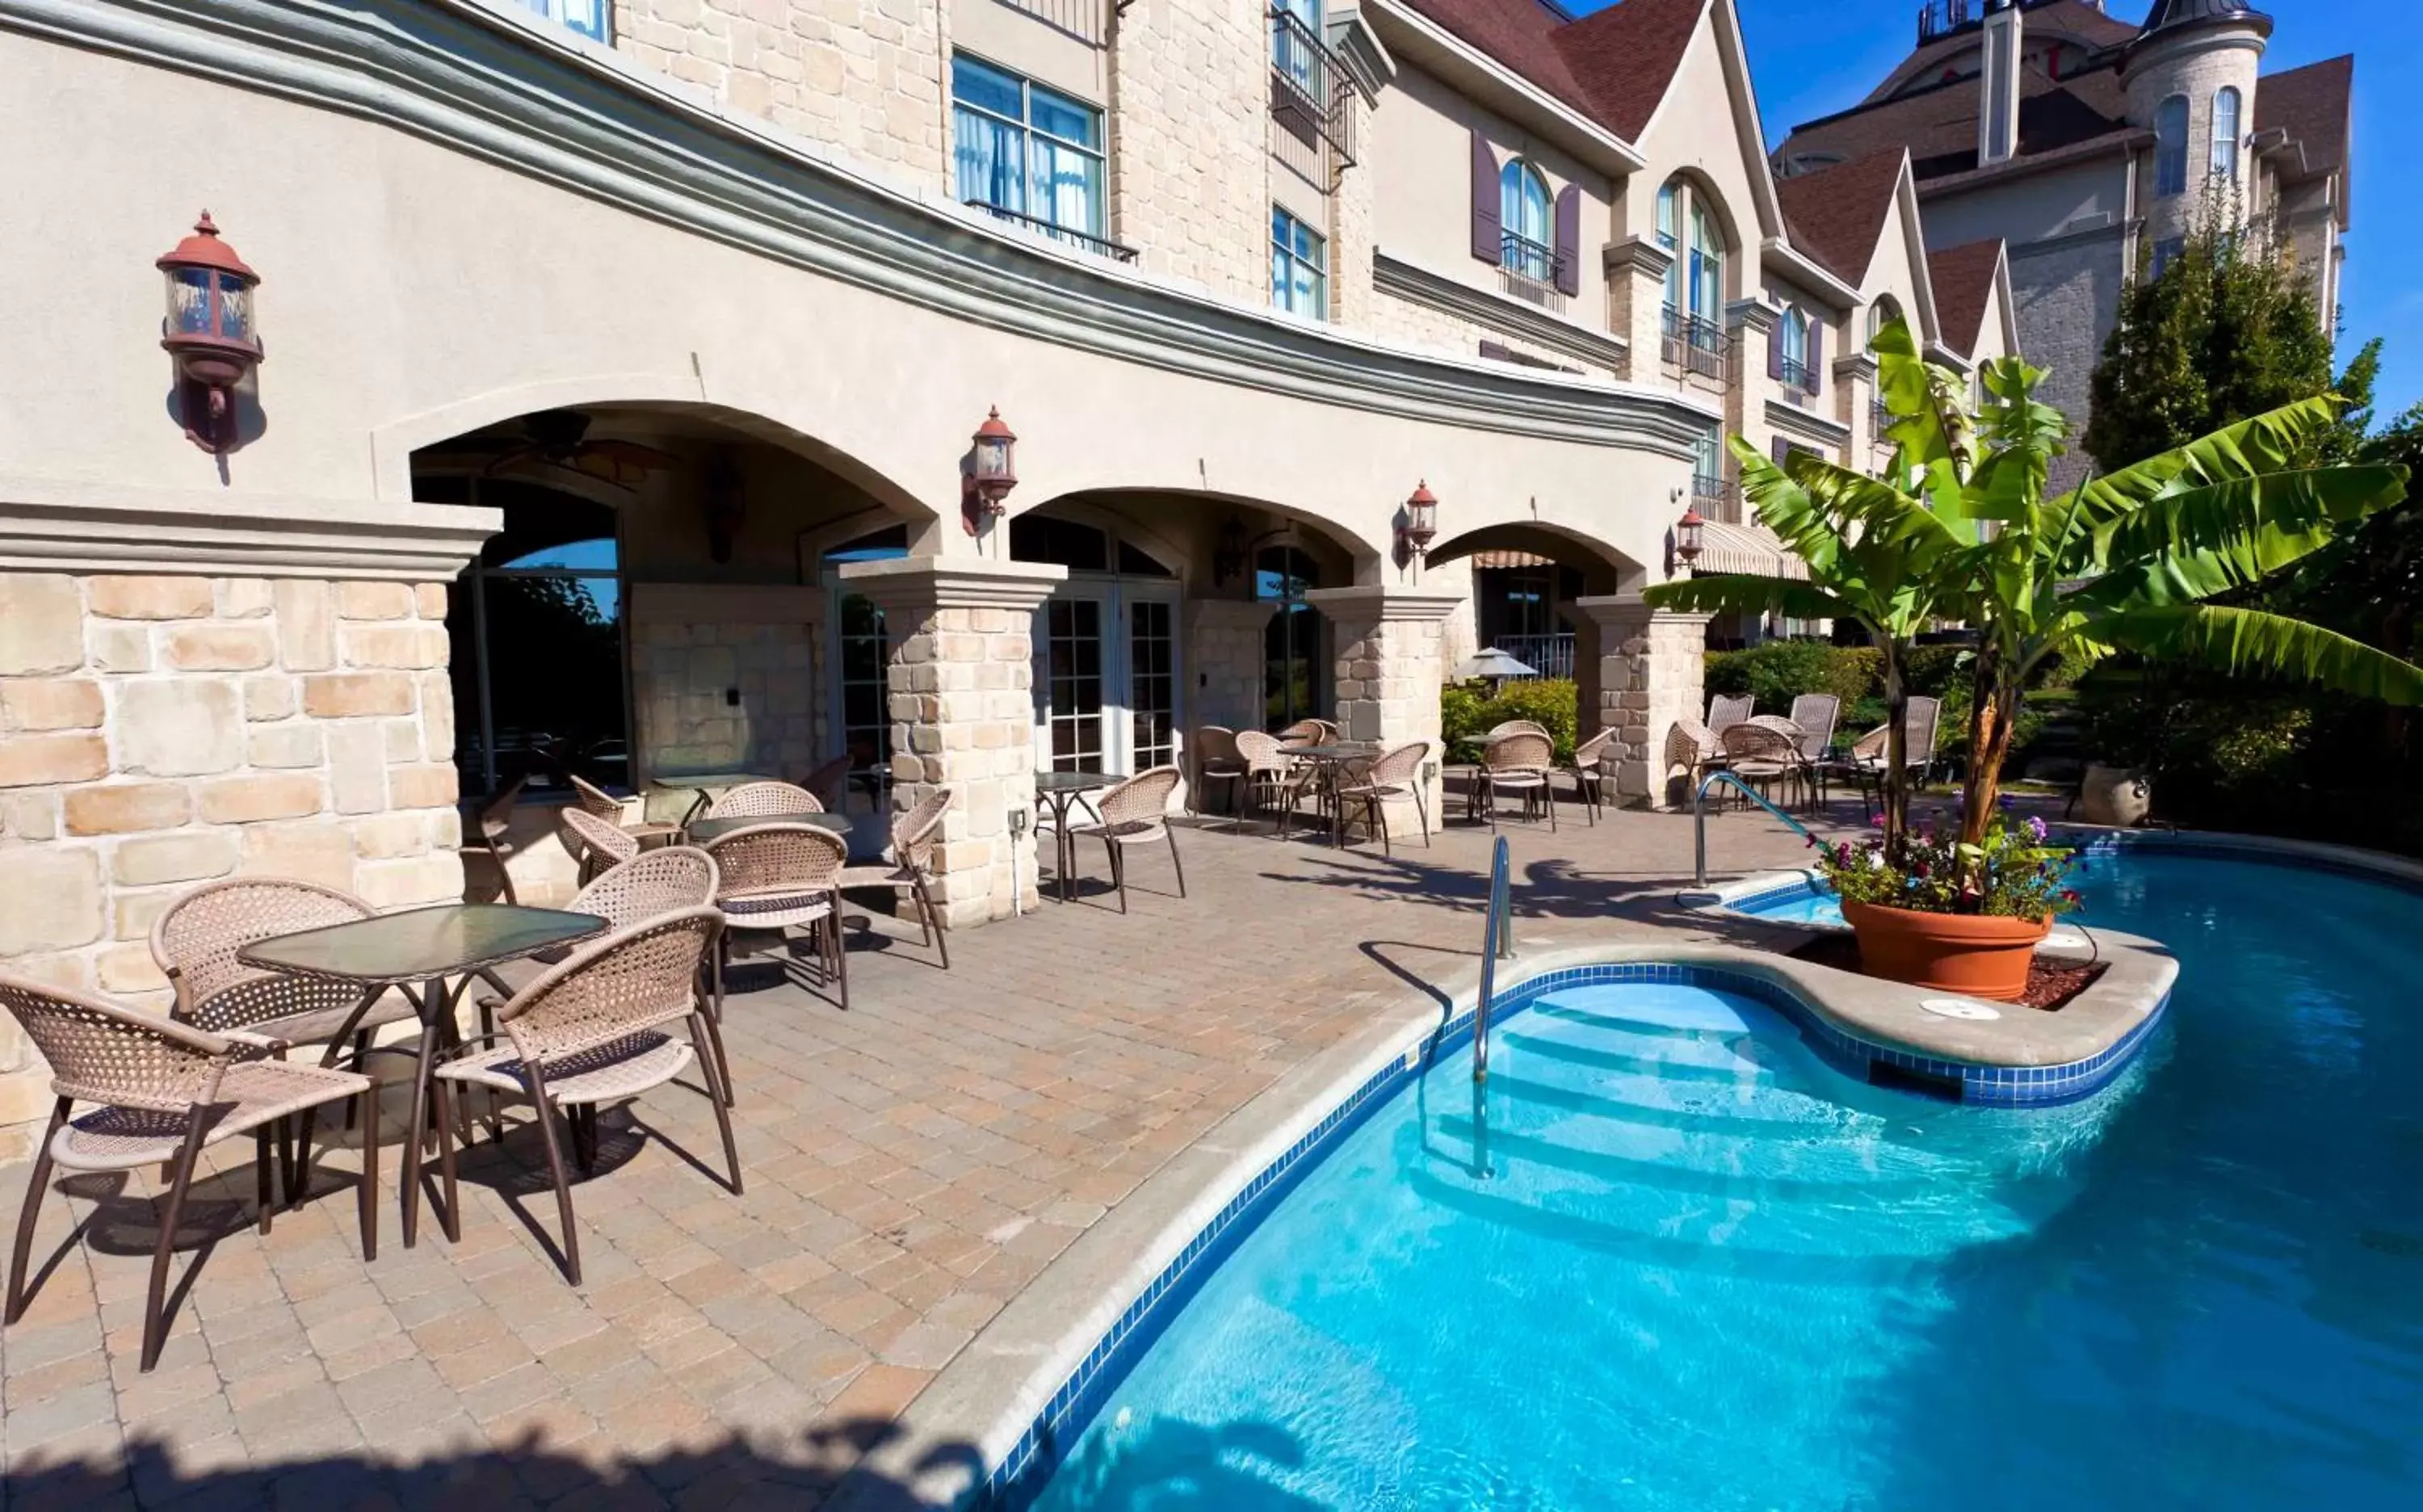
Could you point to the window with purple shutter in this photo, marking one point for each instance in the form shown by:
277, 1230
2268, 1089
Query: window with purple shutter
1775, 348
1569, 240
1488, 230
1816, 356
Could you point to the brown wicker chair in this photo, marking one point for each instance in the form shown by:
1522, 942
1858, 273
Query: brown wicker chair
831, 783
1273, 779
1724, 713
1310, 732
1217, 759
1765, 755
597, 800
774, 877
165, 1089
1136, 812
196, 944
486, 832
1519, 763
765, 800
1866, 763
1589, 776
597, 843
1397, 774
1694, 748
914, 836
591, 1030
1816, 713
1516, 726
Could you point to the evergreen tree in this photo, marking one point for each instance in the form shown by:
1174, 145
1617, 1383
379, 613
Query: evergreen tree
2230, 330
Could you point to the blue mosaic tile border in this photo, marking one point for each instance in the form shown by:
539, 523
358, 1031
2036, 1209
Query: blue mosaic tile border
1014, 1484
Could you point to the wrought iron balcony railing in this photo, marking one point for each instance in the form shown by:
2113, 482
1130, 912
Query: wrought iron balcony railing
1795, 374
1694, 345
1087, 241
1088, 20
1312, 96
1520, 255
1880, 420
1716, 499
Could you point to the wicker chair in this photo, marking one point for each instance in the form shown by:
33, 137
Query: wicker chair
1519, 763
831, 783
1135, 813
1217, 759
591, 1030
1274, 780
594, 842
597, 800
165, 1089
774, 877
765, 800
1692, 747
198, 941
1816, 715
1763, 754
1397, 774
486, 832
1723, 712
914, 835
1589, 776
1865, 762
1517, 726
1309, 732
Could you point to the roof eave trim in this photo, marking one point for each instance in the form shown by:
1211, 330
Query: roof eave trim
1781, 255
1615, 155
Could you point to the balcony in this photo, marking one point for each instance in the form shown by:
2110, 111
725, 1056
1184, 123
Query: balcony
1083, 241
1088, 20
1527, 270
1312, 102
1880, 420
1716, 499
1796, 377
1694, 346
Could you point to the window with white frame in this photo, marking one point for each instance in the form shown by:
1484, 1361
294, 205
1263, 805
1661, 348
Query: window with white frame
1025, 152
2171, 147
1695, 282
1526, 247
1299, 267
1295, 40
2225, 135
593, 19
1795, 363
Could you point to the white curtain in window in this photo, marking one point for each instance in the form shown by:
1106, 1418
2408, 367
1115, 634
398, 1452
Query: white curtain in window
990, 157
1067, 186
2225, 135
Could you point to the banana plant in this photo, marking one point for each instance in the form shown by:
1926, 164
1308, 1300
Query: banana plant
2128, 561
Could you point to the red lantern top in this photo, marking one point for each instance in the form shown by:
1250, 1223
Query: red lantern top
994, 428
203, 249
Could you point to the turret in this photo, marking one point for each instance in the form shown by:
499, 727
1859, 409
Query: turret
2191, 77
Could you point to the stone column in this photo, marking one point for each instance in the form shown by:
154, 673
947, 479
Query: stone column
1636, 299
1855, 380
1651, 673
1225, 653
1751, 325
961, 683
1390, 648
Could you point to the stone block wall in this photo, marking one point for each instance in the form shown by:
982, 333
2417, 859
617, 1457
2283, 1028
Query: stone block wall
157, 732
683, 676
963, 714
1390, 648
1190, 159
1226, 648
863, 75
1651, 672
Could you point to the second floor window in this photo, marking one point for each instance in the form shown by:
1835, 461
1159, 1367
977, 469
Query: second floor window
2171, 147
1796, 349
1299, 267
1523, 210
1024, 151
590, 18
1295, 36
2225, 135
1695, 281
1707, 464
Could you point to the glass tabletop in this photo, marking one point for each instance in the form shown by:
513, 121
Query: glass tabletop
420, 943
702, 830
1344, 751
690, 780
1071, 782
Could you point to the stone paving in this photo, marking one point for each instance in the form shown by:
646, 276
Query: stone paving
910, 1165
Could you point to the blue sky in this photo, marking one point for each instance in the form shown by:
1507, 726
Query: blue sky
1811, 57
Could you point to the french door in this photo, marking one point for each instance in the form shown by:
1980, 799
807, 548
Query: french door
1106, 678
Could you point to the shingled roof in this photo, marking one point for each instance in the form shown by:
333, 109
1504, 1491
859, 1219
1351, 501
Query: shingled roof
1613, 66
1938, 125
2310, 103
1963, 280
1836, 214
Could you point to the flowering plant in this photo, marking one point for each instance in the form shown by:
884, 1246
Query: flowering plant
2010, 871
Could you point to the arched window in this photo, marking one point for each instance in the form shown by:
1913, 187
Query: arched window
1883, 314
1522, 210
2225, 135
1695, 281
1669, 226
2171, 147
1796, 348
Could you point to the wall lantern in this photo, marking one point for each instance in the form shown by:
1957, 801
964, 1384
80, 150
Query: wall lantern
209, 333
992, 474
1419, 526
1687, 536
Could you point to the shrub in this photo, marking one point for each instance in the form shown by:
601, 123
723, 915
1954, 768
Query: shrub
1468, 711
1778, 672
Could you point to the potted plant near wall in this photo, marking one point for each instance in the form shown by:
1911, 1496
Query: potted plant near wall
1961, 530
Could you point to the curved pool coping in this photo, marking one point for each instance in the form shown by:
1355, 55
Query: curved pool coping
1017, 1396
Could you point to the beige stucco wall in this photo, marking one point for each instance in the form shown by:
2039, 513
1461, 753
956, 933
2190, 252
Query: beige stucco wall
1695, 130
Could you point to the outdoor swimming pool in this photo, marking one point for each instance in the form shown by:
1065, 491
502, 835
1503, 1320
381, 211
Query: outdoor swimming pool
1672, 1261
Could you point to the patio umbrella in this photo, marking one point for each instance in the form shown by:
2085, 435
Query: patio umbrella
1496, 664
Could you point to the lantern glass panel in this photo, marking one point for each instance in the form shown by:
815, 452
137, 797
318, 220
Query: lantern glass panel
235, 308
993, 459
189, 301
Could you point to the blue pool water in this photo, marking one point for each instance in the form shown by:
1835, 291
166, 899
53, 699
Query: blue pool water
1671, 1262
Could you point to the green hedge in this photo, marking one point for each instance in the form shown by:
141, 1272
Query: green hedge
1467, 710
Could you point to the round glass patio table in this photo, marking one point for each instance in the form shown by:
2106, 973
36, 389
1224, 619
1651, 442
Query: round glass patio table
1062, 789
423, 946
1331, 760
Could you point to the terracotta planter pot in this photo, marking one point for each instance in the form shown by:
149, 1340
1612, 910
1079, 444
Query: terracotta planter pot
1973, 954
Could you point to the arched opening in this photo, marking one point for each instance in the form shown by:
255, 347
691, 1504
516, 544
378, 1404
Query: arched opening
2171, 147
1523, 209
1690, 226
1527, 582
1883, 314
658, 602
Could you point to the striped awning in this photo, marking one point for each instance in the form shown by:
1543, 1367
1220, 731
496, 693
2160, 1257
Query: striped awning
1753, 551
1509, 559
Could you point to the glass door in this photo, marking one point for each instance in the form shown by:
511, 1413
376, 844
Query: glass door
1106, 678
1291, 662
1069, 674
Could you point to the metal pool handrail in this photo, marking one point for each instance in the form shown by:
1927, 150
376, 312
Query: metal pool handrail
1700, 821
1496, 942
